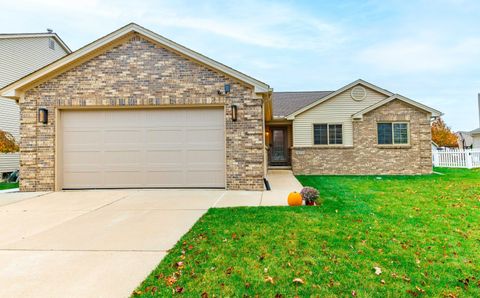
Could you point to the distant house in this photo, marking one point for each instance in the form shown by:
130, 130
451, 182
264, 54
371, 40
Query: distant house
21, 54
465, 139
476, 138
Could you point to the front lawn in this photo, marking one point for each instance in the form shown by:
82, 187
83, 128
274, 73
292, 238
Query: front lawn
421, 232
4, 185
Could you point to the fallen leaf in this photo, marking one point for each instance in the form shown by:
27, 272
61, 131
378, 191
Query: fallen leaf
354, 293
298, 281
170, 280
229, 270
419, 289
269, 279
382, 281
378, 270
179, 265
204, 295
137, 292
179, 289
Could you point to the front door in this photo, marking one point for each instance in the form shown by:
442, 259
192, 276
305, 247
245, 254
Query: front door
279, 147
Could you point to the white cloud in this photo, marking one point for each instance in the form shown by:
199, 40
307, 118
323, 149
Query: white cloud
422, 55
258, 23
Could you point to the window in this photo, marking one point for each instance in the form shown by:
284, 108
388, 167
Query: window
392, 133
51, 43
327, 134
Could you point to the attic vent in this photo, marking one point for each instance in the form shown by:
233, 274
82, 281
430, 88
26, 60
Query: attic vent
358, 93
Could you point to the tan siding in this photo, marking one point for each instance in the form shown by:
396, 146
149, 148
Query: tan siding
21, 56
339, 110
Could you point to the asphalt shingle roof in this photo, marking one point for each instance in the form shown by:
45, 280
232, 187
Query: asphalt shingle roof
285, 103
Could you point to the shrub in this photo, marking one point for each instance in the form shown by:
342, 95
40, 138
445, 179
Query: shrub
309, 194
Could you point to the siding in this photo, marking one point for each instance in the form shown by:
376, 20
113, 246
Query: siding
21, 56
476, 141
10, 122
18, 58
338, 110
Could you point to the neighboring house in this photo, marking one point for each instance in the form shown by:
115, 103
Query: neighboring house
476, 138
476, 133
20, 54
465, 139
134, 109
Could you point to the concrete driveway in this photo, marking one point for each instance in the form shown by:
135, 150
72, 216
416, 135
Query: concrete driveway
101, 243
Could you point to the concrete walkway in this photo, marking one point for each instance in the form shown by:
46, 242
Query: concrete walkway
103, 243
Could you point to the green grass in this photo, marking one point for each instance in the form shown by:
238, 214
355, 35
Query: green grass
422, 231
8, 185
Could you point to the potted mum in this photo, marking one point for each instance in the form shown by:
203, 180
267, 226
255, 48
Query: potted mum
310, 196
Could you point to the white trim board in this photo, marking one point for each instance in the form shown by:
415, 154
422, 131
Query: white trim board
435, 113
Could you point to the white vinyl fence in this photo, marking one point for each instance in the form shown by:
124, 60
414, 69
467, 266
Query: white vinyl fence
456, 158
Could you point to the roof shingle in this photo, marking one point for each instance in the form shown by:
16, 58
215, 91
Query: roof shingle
285, 103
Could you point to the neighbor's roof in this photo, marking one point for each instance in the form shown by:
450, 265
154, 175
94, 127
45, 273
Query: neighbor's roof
286, 103
73, 59
35, 35
475, 131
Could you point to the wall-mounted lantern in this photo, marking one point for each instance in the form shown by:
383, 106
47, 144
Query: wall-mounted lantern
225, 91
43, 115
234, 113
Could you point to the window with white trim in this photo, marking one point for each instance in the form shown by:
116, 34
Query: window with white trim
393, 133
327, 134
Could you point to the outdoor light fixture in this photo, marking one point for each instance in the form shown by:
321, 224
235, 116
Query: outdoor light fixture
225, 91
234, 113
43, 115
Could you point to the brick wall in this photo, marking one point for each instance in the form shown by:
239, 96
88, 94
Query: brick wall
140, 73
365, 157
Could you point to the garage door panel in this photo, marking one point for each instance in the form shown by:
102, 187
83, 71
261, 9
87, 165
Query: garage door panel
204, 178
165, 178
81, 137
82, 179
144, 148
205, 157
165, 136
85, 157
121, 157
122, 136
209, 136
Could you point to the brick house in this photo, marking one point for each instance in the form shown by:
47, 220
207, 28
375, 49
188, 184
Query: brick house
136, 110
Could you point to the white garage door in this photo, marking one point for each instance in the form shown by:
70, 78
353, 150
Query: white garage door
143, 148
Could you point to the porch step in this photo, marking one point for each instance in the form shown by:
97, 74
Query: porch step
279, 167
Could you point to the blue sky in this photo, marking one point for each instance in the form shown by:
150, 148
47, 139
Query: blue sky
426, 50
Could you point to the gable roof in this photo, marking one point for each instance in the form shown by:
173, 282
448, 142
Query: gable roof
335, 93
13, 89
285, 103
36, 35
435, 113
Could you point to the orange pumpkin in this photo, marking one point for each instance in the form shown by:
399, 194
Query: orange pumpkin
294, 199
